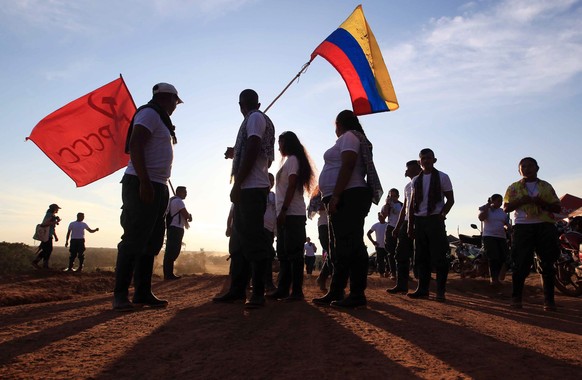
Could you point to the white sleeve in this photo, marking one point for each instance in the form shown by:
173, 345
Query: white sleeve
349, 142
256, 125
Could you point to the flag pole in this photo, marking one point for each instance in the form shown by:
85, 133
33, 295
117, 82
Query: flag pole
296, 77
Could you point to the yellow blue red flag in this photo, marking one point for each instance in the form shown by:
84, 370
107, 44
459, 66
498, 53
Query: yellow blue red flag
353, 51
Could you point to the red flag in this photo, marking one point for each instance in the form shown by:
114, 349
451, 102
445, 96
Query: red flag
86, 138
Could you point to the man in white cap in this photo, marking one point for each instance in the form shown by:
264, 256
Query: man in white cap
145, 198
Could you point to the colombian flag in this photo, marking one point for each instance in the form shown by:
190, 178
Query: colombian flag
353, 51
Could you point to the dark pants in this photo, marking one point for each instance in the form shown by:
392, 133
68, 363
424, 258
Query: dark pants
309, 264
45, 249
324, 240
290, 240
381, 256
404, 254
497, 251
431, 251
348, 252
269, 268
174, 236
390, 246
249, 244
77, 249
541, 238
143, 236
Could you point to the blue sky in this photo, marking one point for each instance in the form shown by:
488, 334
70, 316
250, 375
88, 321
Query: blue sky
482, 83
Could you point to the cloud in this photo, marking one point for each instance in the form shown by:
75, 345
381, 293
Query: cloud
502, 54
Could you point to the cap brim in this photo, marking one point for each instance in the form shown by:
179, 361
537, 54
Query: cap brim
179, 100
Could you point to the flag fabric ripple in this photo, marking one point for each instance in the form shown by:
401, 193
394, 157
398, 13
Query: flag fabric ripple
353, 51
86, 138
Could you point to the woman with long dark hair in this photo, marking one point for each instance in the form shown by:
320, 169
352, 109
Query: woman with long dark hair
294, 179
349, 184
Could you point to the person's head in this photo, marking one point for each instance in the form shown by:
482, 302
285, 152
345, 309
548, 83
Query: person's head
347, 121
393, 194
181, 192
426, 160
271, 180
166, 96
576, 224
308, 239
289, 145
381, 217
495, 200
528, 168
54, 208
80, 217
248, 100
412, 169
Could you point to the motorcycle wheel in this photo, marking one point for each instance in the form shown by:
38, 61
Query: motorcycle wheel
456, 266
567, 279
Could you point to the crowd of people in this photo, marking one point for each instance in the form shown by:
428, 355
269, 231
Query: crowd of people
408, 235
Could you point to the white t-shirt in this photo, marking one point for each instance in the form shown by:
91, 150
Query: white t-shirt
158, 150
446, 185
176, 205
270, 220
408, 198
380, 231
309, 249
297, 205
78, 229
493, 225
322, 220
392, 216
259, 174
333, 162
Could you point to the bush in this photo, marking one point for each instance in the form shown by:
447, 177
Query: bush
15, 257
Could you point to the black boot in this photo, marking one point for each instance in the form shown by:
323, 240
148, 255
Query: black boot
124, 268
441, 283
143, 296
284, 281
548, 285
339, 279
401, 279
239, 278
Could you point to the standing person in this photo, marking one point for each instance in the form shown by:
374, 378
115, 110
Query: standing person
405, 244
179, 219
309, 249
45, 248
348, 165
316, 206
270, 223
426, 225
76, 232
252, 155
391, 211
379, 229
145, 198
495, 226
534, 201
294, 179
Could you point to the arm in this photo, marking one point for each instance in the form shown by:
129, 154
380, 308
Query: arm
248, 160
139, 137
349, 159
370, 237
401, 217
289, 193
484, 212
88, 229
185, 214
448, 204
67, 238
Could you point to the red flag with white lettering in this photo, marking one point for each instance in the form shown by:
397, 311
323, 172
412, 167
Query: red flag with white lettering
86, 138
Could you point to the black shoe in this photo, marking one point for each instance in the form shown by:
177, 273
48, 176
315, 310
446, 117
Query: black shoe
550, 306
294, 297
229, 298
255, 302
172, 277
327, 299
277, 295
418, 294
440, 297
396, 290
350, 302
151, 301
120, 304
516, 303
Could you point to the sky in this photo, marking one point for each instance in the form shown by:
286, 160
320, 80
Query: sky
482, 83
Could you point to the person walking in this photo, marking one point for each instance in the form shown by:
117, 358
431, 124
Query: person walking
45, 248
405, 244
349, 184
76, 232
179, 219
533, 201
432, 199
145, 195
252, 156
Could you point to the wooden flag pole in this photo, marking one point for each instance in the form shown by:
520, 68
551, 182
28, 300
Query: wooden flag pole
303, 69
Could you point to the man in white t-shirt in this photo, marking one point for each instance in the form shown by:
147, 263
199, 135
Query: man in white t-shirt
309, 249
252, 154
379, 229
432, 199
180, 218
77, 234
145, 198
391, 210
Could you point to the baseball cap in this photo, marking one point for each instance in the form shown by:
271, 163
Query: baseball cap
54, 206
166, 88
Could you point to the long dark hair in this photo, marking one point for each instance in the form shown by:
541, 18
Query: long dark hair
293, 147
349, 121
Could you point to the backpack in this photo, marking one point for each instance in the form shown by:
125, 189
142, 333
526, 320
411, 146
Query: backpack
169, 216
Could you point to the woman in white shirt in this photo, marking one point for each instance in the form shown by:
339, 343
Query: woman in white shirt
495, 221
348, 197
295, 177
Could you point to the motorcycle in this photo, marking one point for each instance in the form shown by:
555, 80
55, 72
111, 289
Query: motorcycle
468, 257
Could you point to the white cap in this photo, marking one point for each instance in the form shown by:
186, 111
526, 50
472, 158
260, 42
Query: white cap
166, 88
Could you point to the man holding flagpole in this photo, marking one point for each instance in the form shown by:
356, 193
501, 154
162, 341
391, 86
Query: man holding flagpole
145, 198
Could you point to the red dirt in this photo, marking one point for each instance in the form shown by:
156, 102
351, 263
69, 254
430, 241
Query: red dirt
61, 327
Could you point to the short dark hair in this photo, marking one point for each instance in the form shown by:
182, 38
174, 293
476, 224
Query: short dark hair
426, 151
412, 163
180, 188
496, 196
248, 98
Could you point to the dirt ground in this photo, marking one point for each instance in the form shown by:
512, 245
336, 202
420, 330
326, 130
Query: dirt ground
56, 325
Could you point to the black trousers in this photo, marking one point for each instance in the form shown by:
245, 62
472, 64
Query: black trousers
174, 236
431, 251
